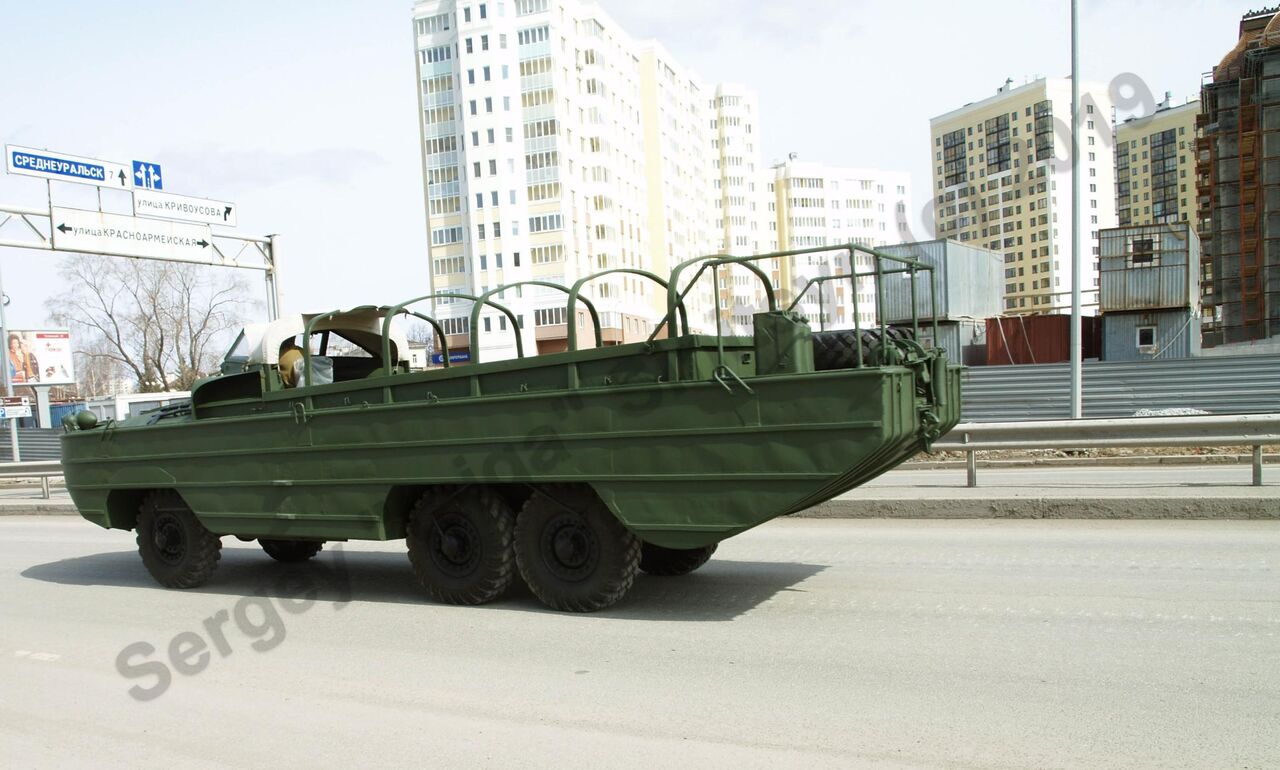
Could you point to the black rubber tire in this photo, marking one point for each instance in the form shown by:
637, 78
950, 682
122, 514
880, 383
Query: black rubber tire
291, 551
839, 349
460, 545
673, 562
176, 548
572, 551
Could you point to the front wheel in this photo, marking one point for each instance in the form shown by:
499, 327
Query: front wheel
572, 551
291, 551
176, 548
673, 562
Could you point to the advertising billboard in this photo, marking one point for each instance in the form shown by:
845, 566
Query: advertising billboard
40, 357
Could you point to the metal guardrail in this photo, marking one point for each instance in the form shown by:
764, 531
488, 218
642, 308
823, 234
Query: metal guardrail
1253, 430
25, 470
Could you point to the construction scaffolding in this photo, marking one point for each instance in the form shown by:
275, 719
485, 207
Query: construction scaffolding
1238, 186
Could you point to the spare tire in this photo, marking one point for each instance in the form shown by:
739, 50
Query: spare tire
839, 349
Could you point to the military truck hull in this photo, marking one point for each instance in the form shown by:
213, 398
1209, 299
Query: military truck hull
681, 464
575, 470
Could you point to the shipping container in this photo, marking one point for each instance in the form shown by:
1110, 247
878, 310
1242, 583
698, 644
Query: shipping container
1147, 336
969, 282
1039, 339
1150, 267
964, 341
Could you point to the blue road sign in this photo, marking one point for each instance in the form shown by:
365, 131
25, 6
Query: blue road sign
61, 167
147, 175
454, 358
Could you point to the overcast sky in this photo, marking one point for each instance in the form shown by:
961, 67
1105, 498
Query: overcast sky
303, 113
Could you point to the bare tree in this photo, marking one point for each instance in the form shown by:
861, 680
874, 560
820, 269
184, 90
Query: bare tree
161, 323
420, 333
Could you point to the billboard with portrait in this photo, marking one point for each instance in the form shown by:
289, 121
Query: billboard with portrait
40, 357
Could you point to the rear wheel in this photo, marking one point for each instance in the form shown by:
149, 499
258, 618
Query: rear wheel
573, 552
460, 545
673, 562
176, 548
291, 551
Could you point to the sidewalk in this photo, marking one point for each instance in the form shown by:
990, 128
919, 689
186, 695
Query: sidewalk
1081, 492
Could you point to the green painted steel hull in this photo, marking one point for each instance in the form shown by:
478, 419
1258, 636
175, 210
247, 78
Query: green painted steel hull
682, 463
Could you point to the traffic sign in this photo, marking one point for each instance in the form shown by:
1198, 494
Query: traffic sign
147, 175
184, 208
61, 167
12, 407
97, 233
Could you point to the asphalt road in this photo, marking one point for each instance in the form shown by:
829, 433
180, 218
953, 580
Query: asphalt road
804, 643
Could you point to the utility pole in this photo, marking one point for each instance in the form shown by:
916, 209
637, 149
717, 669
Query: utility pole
1077, 378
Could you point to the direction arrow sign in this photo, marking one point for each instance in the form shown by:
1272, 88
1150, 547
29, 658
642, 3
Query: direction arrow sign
97, 233
162, 205
147, 175
61, 167
12, 407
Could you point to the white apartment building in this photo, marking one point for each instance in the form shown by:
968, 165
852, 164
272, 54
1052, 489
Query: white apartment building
533, 122
819, 205
1002, 180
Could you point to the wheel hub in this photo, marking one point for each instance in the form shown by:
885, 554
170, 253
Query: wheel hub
455, 545
169, 541
570, 548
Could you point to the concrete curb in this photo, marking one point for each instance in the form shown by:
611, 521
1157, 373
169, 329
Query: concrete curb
39, 508
1050, 508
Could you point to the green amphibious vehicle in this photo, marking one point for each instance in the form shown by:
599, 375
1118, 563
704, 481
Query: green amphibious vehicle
572, 470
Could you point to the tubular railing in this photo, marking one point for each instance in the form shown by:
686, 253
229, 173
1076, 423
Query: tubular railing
1255, 430
676, 319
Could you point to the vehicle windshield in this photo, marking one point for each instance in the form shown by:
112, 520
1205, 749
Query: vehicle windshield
239, 352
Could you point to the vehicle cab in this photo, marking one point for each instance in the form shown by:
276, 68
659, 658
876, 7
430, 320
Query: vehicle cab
300, 355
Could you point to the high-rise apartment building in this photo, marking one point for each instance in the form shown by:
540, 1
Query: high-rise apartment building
818, 205
679, 147
1238, 186
1156, 166
1002, 180
741, 201
534, 133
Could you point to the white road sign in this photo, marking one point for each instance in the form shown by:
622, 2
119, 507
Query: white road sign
97, 233
61, 167
12, 408
184, 208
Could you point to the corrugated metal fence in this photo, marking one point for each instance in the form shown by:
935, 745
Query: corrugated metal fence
1236, 385
33, 444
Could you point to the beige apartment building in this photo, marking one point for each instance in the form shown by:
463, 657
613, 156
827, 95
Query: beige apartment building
1002, 181
1156, 166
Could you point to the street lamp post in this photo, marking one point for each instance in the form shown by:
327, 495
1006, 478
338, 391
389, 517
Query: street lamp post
1077, 380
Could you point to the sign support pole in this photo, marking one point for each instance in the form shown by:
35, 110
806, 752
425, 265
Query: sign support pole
273, 277
8, 380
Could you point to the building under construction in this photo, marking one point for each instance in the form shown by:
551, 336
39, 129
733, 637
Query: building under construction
1238, 186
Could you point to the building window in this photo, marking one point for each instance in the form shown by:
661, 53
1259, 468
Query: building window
1143, 252
1146, 336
